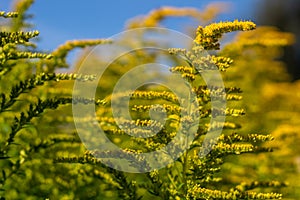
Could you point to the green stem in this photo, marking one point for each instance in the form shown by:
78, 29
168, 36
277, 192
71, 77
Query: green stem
185, 155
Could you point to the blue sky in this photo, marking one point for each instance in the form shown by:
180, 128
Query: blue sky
61, 20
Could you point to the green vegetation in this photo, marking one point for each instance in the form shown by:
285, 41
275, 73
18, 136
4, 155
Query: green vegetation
42, 156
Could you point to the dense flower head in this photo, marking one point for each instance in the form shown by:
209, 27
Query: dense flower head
208, 36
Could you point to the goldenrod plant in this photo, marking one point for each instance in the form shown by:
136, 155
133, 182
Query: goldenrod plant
26, 78
189, 177
43, 156
270, 100
156, 16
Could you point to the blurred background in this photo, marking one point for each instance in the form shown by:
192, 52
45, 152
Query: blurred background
59, 21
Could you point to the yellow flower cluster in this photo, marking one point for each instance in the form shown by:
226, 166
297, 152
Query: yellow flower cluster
107, 177
60, 54
208, 36
222, 62
63, 49
8, 14
157, 15
219, 125
233, 148
155, 95
168, 108
19, 37
261, 37
198, 192
186, 72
